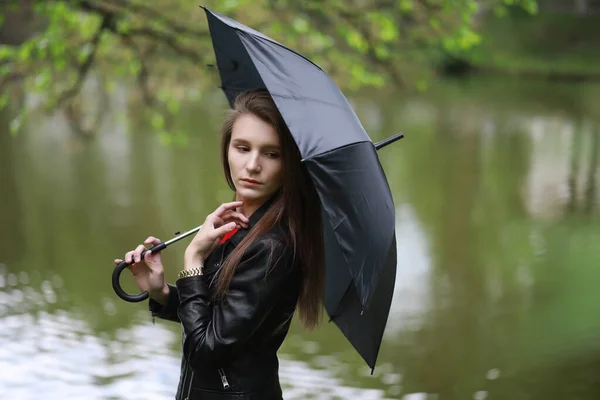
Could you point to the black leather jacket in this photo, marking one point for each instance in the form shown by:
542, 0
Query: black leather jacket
230, 347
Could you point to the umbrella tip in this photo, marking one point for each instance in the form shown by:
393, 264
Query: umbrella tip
389, 140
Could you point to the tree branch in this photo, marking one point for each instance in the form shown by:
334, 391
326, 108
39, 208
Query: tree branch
169, 39
109, 23
11, 77
146, 11
143, 73
388, 67
86, 65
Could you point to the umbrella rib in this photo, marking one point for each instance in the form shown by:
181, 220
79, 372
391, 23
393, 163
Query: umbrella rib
315, 100
240, 89
278, 44
336, 149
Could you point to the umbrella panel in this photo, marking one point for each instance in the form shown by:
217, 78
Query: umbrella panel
357, 204
359, 210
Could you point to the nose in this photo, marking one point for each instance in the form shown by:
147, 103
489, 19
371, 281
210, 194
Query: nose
253, 164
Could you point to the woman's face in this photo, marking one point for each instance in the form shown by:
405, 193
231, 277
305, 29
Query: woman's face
254, 157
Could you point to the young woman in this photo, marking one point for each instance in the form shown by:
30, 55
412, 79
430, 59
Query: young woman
250, 265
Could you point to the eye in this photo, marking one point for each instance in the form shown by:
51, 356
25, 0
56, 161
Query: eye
243, 149
272, 155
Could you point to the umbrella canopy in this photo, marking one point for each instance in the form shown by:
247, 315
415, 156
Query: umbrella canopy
358, 209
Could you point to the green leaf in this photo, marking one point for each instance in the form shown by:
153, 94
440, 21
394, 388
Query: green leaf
276, 28
500, 11
5, 69
472, 7
164, 138
301, 25
57, 48
15, 126
358, 72
60, 65
5, 52
158, 121
356, 41
531, 6
124, 26
229, 5
381, 52
25, 51
173, 105
406, 5
84, 52
4, 100
134, 67
388, 28
422, 84
42, 81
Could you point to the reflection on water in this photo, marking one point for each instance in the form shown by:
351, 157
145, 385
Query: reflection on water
497, 221
57, 353
413, 278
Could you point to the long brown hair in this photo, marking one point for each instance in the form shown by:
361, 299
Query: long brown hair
296, 207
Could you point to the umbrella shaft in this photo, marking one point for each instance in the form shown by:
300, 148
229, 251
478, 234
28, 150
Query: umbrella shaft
181, 236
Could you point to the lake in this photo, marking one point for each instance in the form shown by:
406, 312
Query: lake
498, 225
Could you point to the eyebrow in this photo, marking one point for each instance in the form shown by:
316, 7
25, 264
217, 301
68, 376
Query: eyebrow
243, 141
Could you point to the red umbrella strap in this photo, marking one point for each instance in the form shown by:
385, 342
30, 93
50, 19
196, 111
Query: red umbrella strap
228, 235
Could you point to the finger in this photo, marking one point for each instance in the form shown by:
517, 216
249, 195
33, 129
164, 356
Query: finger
137, 253
147, 254
225, 228
152, 240
238, 215
239, 224
227, 206
214, 220
118, 261
129, 257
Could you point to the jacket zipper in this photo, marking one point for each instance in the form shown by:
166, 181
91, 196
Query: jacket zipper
223, 379
190, 387
183, 384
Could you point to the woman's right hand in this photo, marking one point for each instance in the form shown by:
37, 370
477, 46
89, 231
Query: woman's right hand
147, 272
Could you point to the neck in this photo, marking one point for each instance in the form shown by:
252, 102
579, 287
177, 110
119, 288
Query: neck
248, 208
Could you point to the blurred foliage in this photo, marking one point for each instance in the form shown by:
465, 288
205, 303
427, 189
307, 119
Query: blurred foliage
165, 45
549, 44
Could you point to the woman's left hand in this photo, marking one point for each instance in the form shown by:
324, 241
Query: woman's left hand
224, 219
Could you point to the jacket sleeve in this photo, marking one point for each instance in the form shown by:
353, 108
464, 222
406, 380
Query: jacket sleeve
168, 310
213, 332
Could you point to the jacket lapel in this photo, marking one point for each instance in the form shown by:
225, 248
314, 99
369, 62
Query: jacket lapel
254, 218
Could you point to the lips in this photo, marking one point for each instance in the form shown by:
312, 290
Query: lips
251, 181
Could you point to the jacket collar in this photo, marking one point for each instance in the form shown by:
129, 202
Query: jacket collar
253, 220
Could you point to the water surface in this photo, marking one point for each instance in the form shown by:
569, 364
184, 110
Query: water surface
497, 220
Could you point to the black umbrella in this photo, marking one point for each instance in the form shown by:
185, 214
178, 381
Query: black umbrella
358, 209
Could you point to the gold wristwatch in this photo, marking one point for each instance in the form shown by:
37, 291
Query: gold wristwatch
190, 272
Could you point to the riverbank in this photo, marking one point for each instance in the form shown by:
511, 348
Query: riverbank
554, 46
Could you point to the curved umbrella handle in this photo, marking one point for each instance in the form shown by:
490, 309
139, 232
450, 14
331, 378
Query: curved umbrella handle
132, 298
